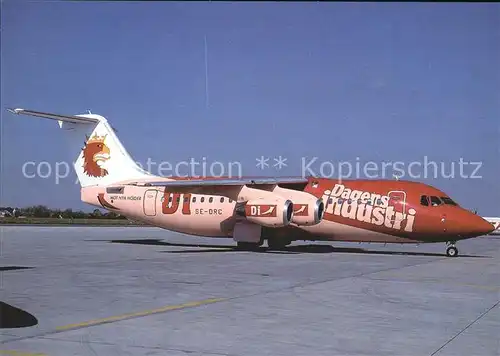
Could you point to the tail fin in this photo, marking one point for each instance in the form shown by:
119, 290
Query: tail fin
100, 158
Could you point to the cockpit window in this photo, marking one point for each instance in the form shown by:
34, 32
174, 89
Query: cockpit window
448, 201
435, 201
424, 200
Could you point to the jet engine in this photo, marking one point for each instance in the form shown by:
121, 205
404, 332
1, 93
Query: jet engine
307, 209
269, 212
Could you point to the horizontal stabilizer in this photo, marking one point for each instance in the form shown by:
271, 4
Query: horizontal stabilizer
222, 182
75, 119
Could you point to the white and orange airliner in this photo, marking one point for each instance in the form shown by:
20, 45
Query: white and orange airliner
254, 210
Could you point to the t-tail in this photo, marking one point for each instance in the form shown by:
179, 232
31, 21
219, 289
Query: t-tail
99, 156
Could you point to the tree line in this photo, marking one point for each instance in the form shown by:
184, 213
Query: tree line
42, 211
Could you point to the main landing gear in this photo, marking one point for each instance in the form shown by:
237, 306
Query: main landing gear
274, 243
278, 243
452, 250
249, 246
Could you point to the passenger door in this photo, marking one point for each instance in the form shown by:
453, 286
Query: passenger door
150, 202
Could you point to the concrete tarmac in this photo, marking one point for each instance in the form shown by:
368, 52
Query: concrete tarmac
146, 291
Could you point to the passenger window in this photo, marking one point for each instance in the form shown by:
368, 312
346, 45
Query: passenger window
202, 199
211, 199
230, 200
185, 199
435, 201
222, 200
330, 200
424, 200
194, 199
178, 199
448, 201
170, 199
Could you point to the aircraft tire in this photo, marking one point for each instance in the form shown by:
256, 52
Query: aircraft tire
277, 243
452, 251
248, 246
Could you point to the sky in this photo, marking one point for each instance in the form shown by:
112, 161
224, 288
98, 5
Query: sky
227, 83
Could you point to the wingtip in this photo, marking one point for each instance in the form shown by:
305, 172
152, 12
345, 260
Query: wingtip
14, 111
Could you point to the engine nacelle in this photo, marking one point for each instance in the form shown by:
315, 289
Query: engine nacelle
307, 209
269, 212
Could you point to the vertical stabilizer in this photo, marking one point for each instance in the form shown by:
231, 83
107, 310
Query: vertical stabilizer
97, 154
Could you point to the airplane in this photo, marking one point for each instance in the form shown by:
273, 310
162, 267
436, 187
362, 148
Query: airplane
255, 210
496, 224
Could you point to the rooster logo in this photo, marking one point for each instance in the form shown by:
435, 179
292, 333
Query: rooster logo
95, 154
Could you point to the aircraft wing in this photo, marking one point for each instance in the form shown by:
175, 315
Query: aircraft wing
217, 185
222, 182
75, 119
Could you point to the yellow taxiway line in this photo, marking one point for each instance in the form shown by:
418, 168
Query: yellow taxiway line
19, 353
112, 319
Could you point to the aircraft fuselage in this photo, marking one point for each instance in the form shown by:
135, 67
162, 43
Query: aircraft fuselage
386, 211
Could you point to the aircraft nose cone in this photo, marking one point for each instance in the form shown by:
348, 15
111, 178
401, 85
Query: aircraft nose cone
477, 226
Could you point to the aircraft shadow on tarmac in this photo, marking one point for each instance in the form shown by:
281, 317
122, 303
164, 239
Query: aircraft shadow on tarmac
12, 317
294, 249
12, 268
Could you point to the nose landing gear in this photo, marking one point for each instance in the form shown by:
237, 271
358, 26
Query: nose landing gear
452, 250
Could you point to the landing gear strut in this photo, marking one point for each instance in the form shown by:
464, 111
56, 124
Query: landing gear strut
451, 251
